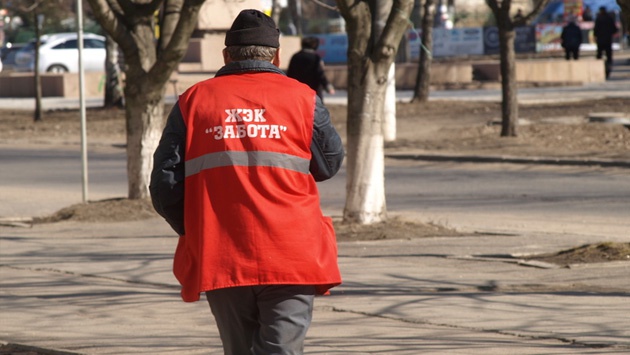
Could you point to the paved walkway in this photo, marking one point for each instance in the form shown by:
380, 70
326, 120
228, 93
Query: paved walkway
107, 289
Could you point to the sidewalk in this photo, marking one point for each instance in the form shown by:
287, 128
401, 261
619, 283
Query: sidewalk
108, 289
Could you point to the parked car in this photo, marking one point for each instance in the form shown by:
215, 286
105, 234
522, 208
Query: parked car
58, 53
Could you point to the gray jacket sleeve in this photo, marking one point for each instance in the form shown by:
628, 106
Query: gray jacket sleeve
167, 177
326, 146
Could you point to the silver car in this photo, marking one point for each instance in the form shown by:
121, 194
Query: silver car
58, 53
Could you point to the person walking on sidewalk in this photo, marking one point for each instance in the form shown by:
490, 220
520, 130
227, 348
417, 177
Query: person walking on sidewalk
604, 30
571, 39
235, 176
308, 67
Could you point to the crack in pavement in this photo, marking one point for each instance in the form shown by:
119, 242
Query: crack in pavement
484, 288
108, 278
591, 345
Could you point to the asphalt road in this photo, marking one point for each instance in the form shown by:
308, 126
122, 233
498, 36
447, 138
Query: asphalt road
501, 198
38, 180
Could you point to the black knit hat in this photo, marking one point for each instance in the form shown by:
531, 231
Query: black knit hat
253, 28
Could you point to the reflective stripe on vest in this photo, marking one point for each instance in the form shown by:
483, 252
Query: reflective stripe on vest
237, 158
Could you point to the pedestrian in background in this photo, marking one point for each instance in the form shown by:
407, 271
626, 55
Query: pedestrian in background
571, 39
587, 15
604, 30
518, 17
235, 176
307, 67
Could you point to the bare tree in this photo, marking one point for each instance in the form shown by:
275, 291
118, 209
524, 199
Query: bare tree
149, 63
369, 59
34, 9
37, 77
509, 89
423, 79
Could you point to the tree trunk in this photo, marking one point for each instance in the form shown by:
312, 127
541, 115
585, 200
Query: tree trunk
382, 9
275, 11
509, 88
148, 67
389, 108
423, 80
365, 185
113, 89
371, 52
145, 121
295, 7
37, 77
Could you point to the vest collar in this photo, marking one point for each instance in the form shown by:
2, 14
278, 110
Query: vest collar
244, 66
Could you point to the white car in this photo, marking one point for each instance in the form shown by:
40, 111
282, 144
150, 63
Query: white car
59, 53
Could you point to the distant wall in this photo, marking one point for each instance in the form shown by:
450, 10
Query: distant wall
204, 58
406, 74
61, 85
586, 70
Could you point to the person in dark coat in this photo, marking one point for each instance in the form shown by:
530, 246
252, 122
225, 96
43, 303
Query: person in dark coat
307, 67
571, 39
603, 31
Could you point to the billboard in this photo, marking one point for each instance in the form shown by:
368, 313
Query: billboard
524, 41
457, 42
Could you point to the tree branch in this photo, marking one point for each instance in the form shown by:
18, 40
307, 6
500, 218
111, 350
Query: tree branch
397, 23
144, 9
168, 22
108, 19
176, 46
32, 7
326, 6
359, 22
538, 5
493, 5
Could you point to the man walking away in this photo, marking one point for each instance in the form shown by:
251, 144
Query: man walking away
307, 67
235, 176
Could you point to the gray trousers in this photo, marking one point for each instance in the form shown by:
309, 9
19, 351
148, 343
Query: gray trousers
262, 320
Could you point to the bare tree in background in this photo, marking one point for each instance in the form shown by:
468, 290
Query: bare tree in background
369, 59
509, 90
149, 63
33, 8
295, 8
37, 76
423, 80
275, 11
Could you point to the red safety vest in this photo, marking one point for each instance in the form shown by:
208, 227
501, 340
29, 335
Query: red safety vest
252, 213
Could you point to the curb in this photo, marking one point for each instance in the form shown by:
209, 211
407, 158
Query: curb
512, 160
28, 349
